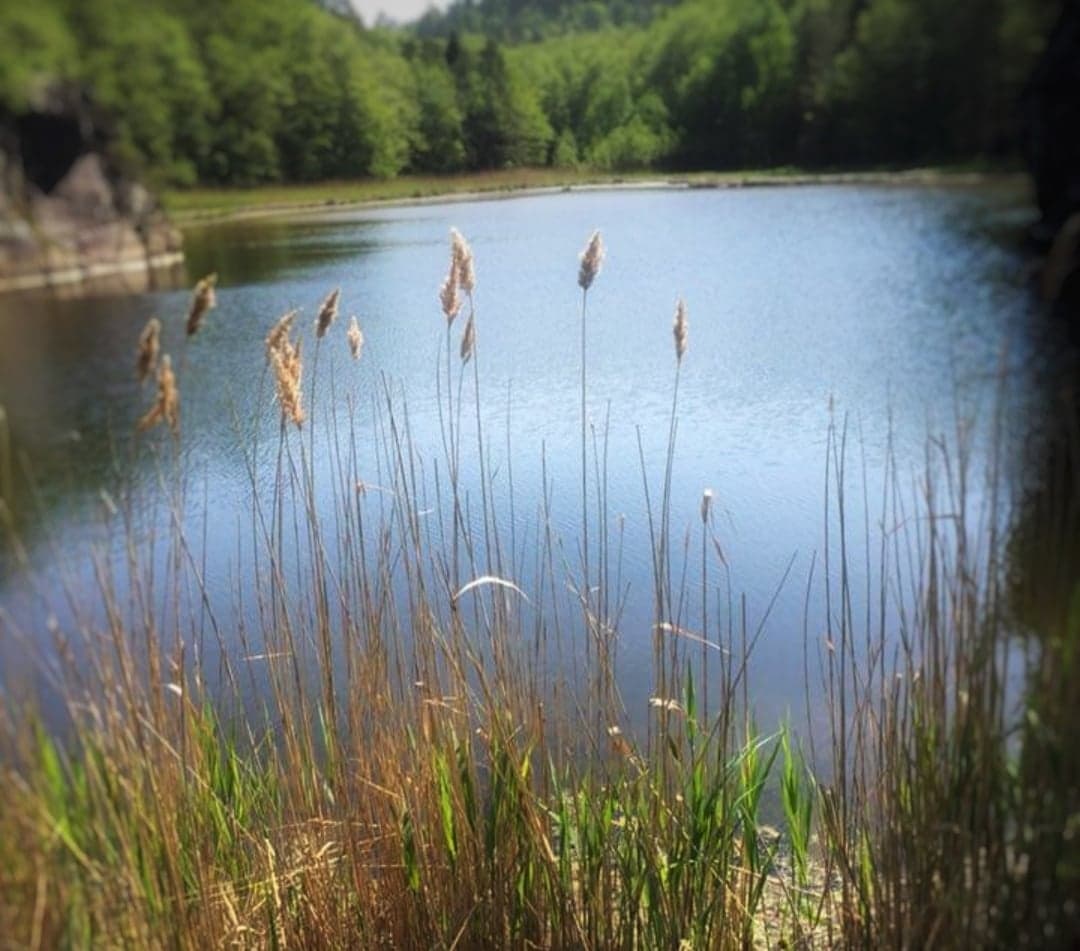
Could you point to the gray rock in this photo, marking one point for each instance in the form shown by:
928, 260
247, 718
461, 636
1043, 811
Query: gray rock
85, 191
69, 215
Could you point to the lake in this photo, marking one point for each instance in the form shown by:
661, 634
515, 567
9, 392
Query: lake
899, 309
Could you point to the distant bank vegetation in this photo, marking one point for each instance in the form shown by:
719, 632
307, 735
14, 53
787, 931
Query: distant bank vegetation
253, 91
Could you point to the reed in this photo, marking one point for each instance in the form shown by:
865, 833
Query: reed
288, 367
149, 347
355, 337
203, 300
680, 329
166, 408
468, 339
328, 311
400, 742
590, 260
463, 259
279, 332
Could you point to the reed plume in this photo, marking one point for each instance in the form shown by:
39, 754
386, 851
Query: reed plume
279, 332
463, 256
448, 293
166, 407
288, 369
591, 259
468, 339
203, 299
681, 330
355, 337
327, 313
146, 356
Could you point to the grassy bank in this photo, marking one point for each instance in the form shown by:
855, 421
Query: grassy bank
200, 204
414, 737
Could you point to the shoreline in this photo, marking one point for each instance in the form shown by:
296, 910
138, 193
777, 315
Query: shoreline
220, 206
124, 273
202, 208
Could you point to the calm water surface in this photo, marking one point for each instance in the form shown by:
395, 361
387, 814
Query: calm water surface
895, 306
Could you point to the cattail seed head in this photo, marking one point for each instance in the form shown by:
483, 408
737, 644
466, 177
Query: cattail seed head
468, 339
355, 337
591, 259
279, 332
706, 504
203, 299
681, 330
448, 293
327, 313
166, 407
146, 356
463, 255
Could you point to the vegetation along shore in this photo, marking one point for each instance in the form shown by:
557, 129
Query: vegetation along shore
417, 693
212, 204
415, 736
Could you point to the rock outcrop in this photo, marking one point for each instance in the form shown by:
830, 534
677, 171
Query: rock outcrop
69, 214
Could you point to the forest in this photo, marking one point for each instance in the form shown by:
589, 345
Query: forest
243, 92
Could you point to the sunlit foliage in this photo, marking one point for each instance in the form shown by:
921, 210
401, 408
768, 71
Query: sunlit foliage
250, 91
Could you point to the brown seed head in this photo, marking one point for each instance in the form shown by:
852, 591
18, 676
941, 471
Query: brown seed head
170, 394
203, 299
706, 504
468, 339
591, 259
448, 293
166, 407
463, 255
356, 338
327, 313
146, 356
279, 332
288, 369
681, 330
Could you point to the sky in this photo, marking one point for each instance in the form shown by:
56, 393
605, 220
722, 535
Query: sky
400, 10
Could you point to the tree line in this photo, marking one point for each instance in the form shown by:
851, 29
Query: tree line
252, 91
516, 21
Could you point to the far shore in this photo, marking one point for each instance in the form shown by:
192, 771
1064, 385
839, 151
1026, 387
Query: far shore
196, 206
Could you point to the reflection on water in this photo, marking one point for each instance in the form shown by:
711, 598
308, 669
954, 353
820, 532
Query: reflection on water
261, 250
897, 306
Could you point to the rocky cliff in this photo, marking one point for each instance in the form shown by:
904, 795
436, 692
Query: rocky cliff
70, 215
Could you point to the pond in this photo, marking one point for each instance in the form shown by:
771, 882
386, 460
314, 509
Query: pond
897, 309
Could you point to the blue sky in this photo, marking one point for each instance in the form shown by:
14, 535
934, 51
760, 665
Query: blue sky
401, 10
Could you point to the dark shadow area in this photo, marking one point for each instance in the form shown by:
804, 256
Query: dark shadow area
1051, 110
49, 146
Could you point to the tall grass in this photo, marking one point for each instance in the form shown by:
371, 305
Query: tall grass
405, 740
953, 807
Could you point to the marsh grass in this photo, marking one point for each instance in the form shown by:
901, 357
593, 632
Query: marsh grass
408, 740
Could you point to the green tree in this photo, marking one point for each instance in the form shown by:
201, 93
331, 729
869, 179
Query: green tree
38, 44
311, 111
247, 91
727, 76
143, 68
251, 93
440, 145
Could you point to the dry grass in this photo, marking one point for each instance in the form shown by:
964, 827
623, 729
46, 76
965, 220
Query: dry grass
166, 408
203, 300
404, 746
355, 337
146, 354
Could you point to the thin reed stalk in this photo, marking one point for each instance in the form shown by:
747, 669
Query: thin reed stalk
376, 745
